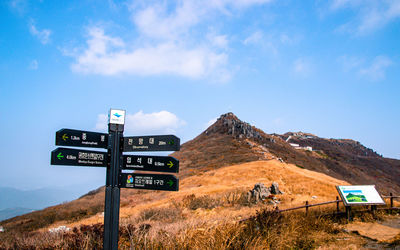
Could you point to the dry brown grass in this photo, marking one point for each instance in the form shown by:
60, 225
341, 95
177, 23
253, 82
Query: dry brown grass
266, 230
218, 193
205, 213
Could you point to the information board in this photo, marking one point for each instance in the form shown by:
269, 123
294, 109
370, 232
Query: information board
360, 195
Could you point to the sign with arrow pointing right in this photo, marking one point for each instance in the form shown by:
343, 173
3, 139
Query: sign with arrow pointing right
151, 163
164, 182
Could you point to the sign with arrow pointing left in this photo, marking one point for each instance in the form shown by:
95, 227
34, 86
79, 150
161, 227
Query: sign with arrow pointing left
80, 138
151, 163
76, 157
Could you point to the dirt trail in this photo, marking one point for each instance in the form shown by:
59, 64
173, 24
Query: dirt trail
384, 231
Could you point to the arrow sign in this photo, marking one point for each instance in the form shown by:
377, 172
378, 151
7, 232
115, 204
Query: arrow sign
79, 138
76, 157
152, 143
164, 182
151, 163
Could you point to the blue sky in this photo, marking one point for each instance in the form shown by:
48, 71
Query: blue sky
330, 68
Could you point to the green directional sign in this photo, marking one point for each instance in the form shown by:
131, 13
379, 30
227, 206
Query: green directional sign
80, 138
151, 163
151, 143
164, 182
77, 157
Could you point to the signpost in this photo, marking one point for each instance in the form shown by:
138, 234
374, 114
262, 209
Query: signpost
115, 161
152, 143
164, 182
76, 157
151, 163
79, 138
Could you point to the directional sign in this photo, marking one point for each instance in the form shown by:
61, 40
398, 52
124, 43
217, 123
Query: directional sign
150, 181
79, 138
151, 163
152, 143
76, 157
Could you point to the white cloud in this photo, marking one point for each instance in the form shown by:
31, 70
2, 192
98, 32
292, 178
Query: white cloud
350, 62
42, 35
101, 123
18, 5
254, 38
154, 21
162, 122
376, 70
302, 66
219, 41
169, 41
33, 65
370, 14
372, 71
107, 55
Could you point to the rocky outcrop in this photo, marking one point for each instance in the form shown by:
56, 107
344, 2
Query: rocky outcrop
229, 124
260, 193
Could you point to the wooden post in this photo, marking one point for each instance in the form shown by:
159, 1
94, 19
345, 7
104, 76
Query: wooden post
337, 204
373, 209
391, 200
306, 207
348, 213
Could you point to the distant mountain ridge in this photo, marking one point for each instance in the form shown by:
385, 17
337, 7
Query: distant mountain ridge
34, 199
231, 141
12, 212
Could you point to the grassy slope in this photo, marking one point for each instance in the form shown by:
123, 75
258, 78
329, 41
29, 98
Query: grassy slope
298, 184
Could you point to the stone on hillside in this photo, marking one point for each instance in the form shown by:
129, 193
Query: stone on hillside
258, 193
274, 189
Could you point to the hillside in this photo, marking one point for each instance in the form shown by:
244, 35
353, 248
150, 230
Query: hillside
228, 158
214, 189
230, 141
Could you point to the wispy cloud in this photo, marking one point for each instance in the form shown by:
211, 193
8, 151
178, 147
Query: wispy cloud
254, 38
43, 35
350, 63
171, 42
370, 15
302, 67
372, 70
163, 122
376, 70
19, 6
34, 65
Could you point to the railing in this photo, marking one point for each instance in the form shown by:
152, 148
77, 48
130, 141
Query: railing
337, 201
392, 197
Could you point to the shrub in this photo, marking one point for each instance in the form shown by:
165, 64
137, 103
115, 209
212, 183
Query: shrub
207, 202
166, 214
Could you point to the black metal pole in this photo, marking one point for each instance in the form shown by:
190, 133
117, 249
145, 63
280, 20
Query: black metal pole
112, 199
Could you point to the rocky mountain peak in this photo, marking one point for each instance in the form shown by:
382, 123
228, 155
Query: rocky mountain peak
230, 124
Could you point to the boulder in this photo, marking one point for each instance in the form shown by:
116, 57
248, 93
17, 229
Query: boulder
274, 189
258, 193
